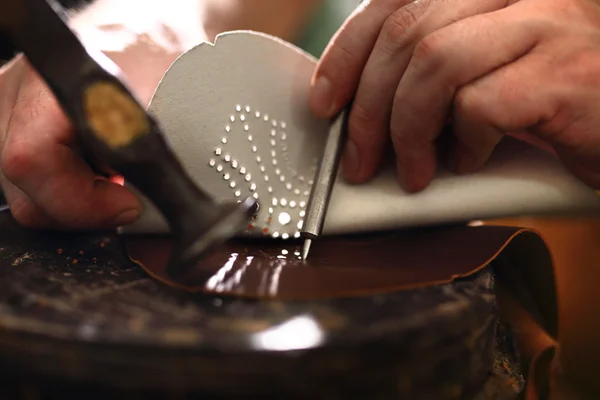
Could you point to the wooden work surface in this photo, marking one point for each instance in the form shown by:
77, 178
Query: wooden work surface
74, 310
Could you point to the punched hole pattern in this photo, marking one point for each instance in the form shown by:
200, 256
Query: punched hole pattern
281, 189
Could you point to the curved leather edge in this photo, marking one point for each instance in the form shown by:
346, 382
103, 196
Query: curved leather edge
528, 287
573, 370
510, 241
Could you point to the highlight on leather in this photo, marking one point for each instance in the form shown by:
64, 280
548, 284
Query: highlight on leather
547, 273
338, 266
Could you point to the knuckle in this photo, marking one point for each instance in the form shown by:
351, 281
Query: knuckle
340, 55
17, 161
510, 93
359, 124
581, 69
428, 53
399, 28
338, 51
399, 137
467, 105
338, 61
465, 101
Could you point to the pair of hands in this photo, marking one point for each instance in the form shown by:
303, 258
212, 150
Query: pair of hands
494, 67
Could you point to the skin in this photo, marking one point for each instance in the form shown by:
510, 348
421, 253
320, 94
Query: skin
47, 185
525, 68
44, 182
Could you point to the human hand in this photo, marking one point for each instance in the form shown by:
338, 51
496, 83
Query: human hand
46, 184
493, 67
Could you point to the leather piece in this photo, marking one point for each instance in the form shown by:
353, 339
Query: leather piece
575, 250
337, 266
548, 298
541, 369
536, 346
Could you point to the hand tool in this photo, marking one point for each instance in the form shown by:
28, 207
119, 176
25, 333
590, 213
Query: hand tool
316, 209
116, 133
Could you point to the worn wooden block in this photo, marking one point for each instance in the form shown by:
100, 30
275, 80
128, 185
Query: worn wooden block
74, 309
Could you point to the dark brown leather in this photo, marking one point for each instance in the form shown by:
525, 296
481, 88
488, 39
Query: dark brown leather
337, 266
574, 244
550, 297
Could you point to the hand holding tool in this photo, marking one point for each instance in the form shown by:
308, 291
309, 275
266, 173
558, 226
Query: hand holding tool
316, 209
116, 132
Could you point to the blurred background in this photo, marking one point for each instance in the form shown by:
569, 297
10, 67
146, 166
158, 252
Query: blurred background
144, 37
324, 18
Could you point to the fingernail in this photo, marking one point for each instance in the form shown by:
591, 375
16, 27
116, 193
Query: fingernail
322, 97
413, 176
351, 160
126, 217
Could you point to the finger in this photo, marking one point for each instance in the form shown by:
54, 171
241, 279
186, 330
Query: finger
474, 143
372, 107
529, 138
516, 97
511, 98
37, 158
336, 77
443, 62
24, 210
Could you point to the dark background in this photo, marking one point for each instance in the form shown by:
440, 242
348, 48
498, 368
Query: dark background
8, 49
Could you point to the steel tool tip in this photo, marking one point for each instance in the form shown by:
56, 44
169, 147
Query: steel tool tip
306, 248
